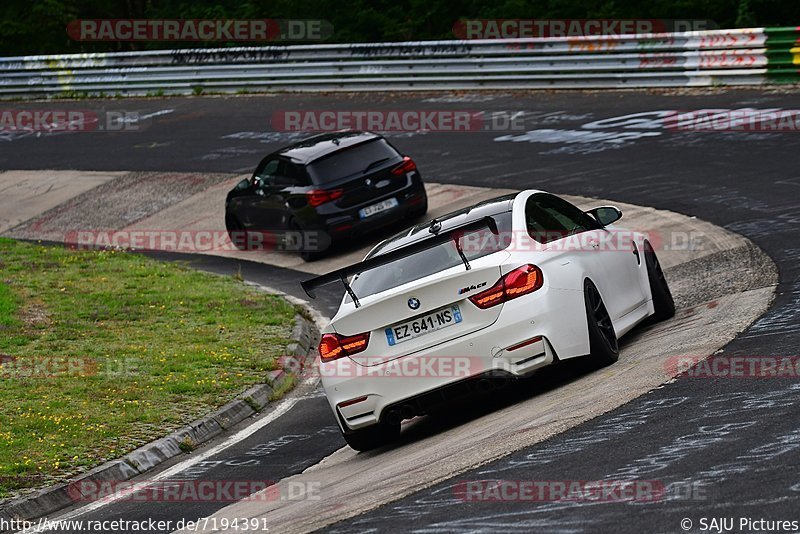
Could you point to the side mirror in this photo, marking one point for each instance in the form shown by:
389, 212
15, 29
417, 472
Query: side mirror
605, 215
244, 184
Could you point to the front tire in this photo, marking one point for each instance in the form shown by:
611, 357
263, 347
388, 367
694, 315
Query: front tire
663, 303
372, 437
603, 345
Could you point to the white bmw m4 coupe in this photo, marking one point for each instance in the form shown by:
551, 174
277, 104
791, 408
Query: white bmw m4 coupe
499, 289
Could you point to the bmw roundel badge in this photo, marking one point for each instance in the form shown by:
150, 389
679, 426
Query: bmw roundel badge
413, 303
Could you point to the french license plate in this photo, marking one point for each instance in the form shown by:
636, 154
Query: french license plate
387, 204
436, 320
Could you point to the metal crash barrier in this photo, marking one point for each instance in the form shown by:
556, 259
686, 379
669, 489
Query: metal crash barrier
751, 56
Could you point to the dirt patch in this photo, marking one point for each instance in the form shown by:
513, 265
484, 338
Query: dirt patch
247, 303
35, 316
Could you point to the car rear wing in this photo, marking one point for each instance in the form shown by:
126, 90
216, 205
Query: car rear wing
453, 234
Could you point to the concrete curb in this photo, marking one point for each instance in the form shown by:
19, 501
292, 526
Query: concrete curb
145, 458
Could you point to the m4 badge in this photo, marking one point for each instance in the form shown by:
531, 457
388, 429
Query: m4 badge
473, 287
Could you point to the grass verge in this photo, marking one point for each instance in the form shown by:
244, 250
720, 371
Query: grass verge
102, 352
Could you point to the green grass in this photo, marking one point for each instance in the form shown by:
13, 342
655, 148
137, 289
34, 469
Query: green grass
7, 306
106, 351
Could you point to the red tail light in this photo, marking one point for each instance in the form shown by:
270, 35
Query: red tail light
520, 281
334, 346
318, 197
408, 165
489, 297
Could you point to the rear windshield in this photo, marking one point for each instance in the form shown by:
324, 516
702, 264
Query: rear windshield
351, 161
433, 260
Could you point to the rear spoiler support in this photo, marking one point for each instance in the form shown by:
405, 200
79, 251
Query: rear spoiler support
346, 288
461, 253
341, 275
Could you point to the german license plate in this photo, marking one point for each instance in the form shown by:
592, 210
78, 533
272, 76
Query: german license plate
387, 204
436, 320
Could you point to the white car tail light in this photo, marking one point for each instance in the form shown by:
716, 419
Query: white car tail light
334, 346
520, 281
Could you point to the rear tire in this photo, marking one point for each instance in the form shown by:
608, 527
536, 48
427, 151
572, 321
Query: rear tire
603, 346
372, 437
305, 254
236, 232
420, 211
663, 302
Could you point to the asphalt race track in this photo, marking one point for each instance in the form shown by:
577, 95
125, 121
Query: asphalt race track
728, 447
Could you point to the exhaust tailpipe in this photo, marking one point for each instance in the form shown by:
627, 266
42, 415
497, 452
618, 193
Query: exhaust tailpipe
393, 417
484, 385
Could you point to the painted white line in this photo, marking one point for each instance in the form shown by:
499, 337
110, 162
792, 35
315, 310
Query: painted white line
282, 408
155, 114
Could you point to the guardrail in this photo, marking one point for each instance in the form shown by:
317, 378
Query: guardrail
751, 56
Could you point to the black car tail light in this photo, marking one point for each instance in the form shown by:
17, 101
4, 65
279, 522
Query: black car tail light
407, 165
317, 197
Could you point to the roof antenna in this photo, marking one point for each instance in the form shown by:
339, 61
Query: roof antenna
435, 226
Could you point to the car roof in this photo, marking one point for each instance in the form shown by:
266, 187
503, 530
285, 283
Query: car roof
489, 207
318, 146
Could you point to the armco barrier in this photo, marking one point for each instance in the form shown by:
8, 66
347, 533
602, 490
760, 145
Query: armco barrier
751, 56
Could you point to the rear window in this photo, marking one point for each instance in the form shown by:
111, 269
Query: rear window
351, 161
433, 260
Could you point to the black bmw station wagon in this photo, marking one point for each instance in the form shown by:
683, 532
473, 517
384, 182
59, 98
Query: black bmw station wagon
324, 189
